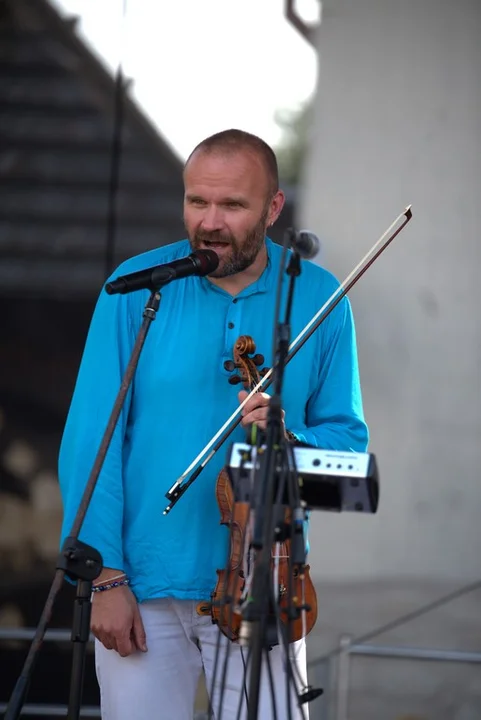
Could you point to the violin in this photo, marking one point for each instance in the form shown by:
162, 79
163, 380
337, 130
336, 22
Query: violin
300, 614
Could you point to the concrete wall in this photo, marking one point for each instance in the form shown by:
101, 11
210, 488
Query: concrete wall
397, 120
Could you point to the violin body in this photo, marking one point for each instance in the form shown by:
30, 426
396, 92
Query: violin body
226, 597
297, 601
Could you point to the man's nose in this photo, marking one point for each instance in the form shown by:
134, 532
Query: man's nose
212, 219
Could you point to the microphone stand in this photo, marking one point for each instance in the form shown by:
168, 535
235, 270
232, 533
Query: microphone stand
256, 611
77, 560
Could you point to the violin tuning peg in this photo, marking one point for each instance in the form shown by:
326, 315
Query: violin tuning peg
234, 380
229, 365
258, 359
264, 371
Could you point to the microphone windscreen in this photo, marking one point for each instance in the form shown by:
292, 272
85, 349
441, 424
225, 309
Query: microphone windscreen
206, 261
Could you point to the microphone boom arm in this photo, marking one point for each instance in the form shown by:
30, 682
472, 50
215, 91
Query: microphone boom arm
182, 484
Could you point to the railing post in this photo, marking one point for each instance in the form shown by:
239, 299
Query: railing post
342, 679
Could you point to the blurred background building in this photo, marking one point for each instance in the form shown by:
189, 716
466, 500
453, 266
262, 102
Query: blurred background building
394, 118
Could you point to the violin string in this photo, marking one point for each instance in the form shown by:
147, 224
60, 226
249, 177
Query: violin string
207, 452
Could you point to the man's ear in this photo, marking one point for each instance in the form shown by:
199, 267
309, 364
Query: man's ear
275, 207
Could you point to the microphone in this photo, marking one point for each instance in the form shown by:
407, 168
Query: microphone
200, 262
304, 243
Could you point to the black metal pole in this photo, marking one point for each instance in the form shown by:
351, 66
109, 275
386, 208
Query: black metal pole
257, 610
78, 560
80, 637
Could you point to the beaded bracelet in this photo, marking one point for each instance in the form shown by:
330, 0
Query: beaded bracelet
290, 437
110, 585
120, 576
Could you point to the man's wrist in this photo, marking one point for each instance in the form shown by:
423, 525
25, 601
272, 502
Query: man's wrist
108, 574
292, 437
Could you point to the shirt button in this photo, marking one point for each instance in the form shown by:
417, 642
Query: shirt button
234, 300
230, 325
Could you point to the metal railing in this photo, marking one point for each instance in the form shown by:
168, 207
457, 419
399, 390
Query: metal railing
342, 682
339, 687
53, 710
45, 709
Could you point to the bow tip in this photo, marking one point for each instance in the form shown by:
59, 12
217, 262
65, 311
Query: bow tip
408, 212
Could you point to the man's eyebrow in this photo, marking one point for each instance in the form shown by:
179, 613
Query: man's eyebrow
235, 199
223, 201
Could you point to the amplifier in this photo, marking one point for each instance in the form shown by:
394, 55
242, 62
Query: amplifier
328, 479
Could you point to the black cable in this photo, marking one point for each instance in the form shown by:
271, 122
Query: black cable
263, 629
280, 285
283, 637
271, 683
244, 685
295, 489
210, 695
284, 630
223, 682
291, 481
218, 648
223, 601
115, 164
290, 664
116, 155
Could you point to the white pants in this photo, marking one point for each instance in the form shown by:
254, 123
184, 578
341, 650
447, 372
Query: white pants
161, 684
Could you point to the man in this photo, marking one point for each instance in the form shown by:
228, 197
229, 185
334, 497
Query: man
151, 641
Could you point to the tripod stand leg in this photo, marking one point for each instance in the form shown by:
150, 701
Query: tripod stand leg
80, 638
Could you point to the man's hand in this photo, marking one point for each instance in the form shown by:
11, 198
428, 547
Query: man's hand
256, 409
116, 621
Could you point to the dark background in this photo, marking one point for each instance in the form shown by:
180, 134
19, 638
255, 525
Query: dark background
85, 182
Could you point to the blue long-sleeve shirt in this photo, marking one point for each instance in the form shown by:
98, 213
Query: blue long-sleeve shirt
179, 398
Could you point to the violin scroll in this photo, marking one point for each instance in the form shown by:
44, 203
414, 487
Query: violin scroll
248, 366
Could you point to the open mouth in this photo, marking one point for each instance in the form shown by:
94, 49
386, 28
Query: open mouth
215, 244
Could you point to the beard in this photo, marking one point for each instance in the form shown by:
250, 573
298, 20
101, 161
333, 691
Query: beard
241, 254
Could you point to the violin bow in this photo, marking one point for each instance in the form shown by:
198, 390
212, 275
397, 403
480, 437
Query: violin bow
184, 481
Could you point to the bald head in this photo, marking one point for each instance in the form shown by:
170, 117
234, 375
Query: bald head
230, 200
232, 142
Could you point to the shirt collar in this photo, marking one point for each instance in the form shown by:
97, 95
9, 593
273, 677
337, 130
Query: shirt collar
261, 285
